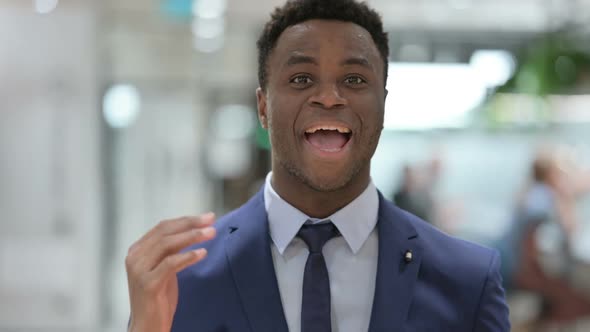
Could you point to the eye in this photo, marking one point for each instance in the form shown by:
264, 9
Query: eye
354, 80
301, 80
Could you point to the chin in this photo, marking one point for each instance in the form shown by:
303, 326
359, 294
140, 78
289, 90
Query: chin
325, 186
327, 181
322, 178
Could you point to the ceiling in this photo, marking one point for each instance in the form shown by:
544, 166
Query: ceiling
138, 40
485, 15
514, 15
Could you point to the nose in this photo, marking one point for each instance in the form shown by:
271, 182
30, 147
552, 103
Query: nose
327, 96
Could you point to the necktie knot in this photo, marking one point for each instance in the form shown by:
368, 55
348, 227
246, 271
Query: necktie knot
315, 236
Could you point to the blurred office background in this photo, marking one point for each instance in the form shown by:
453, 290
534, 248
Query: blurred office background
117, 114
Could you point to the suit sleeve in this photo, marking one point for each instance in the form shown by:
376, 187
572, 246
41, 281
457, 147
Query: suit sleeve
492, 312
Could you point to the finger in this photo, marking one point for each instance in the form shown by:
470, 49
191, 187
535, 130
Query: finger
172, 244
171, 226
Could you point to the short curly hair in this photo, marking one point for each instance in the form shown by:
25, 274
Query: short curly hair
297, 11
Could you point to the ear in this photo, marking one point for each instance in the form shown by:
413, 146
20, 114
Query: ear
262, 115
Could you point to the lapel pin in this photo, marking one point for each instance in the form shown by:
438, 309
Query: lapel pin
408, 256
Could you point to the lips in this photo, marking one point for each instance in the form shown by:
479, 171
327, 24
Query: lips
328, 138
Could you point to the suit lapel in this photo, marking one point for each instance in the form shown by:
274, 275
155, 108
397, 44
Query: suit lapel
396, 278
250, 259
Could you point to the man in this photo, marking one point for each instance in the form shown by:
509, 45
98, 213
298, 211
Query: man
318, 248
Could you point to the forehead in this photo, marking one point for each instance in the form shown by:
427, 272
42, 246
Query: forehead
323, 36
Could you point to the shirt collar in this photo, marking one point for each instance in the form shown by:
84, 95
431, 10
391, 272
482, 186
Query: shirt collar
355, 221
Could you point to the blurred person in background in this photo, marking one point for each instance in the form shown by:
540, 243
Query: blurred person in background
415, 192
322, 73
548, 199
409, 197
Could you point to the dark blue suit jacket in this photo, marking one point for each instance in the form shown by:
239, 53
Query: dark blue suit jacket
450, 285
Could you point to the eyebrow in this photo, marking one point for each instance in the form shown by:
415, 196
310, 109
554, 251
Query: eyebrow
361, 61
297, 59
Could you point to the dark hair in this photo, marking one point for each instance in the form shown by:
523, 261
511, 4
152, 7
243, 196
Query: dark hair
542, 168
296, 11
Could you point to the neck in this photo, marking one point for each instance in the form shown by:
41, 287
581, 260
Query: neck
314, 203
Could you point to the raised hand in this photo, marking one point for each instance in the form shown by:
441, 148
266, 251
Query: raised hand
152, 263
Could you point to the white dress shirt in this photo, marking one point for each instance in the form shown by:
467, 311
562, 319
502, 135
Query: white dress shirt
351, 259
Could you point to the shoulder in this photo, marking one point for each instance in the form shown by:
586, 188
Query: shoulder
441, 251
465, 274
212, 278
452, 253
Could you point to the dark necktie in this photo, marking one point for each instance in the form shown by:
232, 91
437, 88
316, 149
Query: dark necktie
315, 307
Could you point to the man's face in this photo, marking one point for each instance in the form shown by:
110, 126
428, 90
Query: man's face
323, 104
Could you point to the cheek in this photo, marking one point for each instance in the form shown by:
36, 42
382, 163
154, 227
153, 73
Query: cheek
280, 130
370, 113
282, 116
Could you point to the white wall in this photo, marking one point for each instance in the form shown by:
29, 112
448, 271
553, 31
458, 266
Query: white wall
50, 187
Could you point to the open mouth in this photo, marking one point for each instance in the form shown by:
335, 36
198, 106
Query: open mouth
328, 138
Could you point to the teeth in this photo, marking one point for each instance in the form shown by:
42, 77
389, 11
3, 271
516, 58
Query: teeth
342, 130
